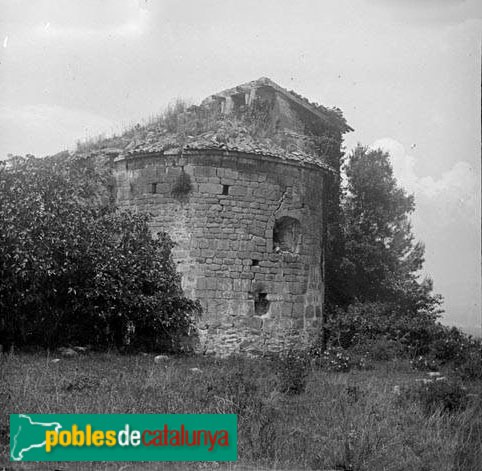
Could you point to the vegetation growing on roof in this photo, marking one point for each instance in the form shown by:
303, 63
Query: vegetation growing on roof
253, 128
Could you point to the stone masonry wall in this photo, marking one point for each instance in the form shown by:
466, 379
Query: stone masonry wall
258, 293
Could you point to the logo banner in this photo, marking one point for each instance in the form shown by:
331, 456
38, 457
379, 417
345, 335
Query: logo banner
123, 437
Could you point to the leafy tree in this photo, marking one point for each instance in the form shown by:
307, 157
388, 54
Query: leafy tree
379, 259
74, 269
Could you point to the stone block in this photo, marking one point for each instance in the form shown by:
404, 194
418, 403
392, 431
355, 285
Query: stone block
229, 181
243, 308
237, 190
230, 173
296, 288
298, 324
259, 241
211, 188
275, 309
241, 285
205, 171
280, 287
225, 294
287, 309
222, 244
202, 243
309, 312
174, 171
224, 284
206, 283
247, 344
251, 322
298, 310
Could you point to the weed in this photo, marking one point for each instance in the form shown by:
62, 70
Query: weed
468, 455
471, 368
292, 369
335, 359
445, 396
424, 363
342, 420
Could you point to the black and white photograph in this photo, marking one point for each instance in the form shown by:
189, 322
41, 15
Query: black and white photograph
240, 235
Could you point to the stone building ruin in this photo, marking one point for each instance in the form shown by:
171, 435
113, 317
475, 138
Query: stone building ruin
240, 183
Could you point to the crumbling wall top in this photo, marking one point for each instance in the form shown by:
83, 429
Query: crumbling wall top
258, 117
249, 91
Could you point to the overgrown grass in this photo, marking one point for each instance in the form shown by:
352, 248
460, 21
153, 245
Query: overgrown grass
357, 420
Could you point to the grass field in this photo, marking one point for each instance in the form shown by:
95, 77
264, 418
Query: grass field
359, 420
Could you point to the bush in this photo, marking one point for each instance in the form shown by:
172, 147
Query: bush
424, 363
381, 349
449, 344
452, 348
471, 367
444, 396
335, 359
386, 331
75, 270
363, 323
292, 371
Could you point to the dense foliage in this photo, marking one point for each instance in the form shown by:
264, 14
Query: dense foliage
74, 269
380, 259
377, 302
373, 257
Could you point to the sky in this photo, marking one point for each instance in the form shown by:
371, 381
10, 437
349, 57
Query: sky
406, 73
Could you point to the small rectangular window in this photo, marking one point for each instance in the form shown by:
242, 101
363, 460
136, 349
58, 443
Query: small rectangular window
261, 304
153, 188
225, 189
239, 100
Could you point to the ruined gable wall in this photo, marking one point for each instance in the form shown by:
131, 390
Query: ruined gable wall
254, 297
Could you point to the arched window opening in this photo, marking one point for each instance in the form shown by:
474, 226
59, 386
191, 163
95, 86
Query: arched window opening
286, 235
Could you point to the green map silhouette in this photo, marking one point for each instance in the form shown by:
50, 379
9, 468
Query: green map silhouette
26, 435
